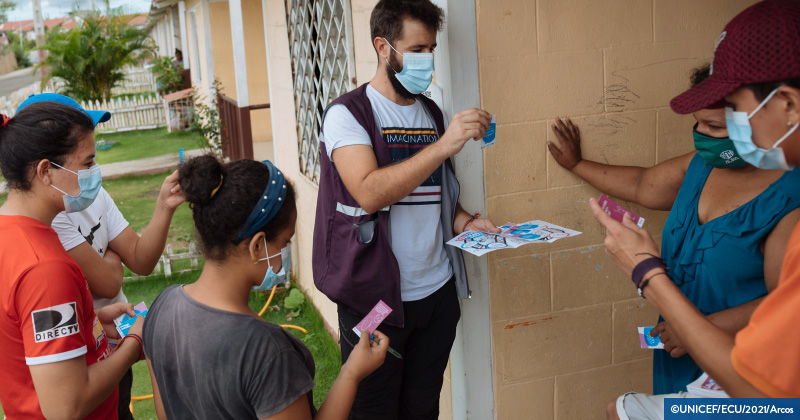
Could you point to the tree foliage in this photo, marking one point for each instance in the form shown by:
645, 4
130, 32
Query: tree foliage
5, 7
90, 57
169, 75
21, 46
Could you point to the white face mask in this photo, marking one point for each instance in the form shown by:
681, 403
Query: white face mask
741, 133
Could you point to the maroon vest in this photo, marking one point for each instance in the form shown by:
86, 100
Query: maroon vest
349, 273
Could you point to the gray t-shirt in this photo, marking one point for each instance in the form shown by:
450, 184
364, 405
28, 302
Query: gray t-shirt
215, 364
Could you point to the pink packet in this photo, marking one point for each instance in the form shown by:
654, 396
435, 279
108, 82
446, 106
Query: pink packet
373, 318
616, 211
711, 385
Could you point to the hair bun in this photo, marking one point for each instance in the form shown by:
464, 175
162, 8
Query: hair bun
199, 177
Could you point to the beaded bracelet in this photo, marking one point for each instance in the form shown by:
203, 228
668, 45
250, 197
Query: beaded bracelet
471, 218
138, 339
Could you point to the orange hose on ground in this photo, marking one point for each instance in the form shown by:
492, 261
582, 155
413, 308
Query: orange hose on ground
146, 397
271, 294
296, 328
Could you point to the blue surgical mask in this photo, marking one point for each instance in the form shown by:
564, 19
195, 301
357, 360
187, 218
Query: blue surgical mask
271, 278
90, 181
417, 72
741, 133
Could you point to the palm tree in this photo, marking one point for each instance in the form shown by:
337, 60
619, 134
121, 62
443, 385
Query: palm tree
90, 57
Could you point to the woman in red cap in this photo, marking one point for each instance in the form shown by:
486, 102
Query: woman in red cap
757, 71
721, 209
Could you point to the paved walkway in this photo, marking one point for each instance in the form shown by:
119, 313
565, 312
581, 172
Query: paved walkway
11, 82
146, 166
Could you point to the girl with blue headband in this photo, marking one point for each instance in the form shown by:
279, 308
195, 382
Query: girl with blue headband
210, 355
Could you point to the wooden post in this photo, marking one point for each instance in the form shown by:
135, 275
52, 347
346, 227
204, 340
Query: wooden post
245, 134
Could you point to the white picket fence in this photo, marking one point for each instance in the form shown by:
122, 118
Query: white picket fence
126, 114
130, 114
137, 80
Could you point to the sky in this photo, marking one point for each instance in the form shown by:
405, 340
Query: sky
60, 8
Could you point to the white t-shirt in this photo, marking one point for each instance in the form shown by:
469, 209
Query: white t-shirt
98, 225
417, 241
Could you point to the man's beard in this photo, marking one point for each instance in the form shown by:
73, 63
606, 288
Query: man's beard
398, 87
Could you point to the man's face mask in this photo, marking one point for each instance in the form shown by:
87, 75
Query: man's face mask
417, 72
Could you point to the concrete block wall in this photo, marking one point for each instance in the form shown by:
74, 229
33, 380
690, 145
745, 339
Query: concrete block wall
563, 316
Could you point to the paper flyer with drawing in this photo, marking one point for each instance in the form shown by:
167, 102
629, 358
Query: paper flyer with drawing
512, 236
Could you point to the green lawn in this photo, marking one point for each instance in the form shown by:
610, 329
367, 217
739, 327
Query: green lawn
325, 350
136, 196
140, 144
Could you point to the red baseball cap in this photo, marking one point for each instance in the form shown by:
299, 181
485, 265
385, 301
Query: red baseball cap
761, 44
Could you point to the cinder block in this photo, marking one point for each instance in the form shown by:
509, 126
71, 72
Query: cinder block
506, 28
567, 207
520, 286
584, 395
692, 20
626, 138
674, 135
587, 276
628, 316
516, 162
528, 400
649, 76
561, 342
581, 25
537, 87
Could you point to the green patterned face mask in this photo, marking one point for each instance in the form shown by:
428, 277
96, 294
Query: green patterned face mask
717, 152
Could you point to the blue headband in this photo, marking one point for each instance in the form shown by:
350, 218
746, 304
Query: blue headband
269, 203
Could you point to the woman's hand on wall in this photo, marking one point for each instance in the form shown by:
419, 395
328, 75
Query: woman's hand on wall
568, 153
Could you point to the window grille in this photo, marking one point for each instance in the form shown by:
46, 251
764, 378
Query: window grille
321, 47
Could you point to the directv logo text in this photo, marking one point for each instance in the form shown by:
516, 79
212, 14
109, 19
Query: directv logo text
55, 322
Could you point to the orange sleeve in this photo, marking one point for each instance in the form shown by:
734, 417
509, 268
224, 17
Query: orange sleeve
49, 305
765, 352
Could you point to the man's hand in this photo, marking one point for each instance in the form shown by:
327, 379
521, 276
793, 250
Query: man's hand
568, 154
483, 225
467, 124
671, 342
171, 195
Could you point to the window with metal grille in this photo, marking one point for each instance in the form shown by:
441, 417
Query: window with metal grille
321, 46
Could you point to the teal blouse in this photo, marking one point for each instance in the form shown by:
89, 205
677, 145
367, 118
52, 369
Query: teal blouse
719, 264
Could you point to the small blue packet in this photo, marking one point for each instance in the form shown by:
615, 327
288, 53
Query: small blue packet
124, 322
489, 139
648, 342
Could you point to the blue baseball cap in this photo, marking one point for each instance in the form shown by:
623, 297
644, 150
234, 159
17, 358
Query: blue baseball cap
96, 116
